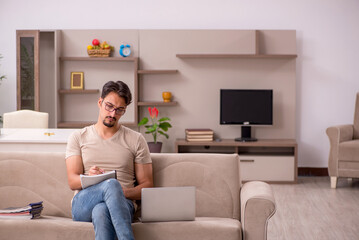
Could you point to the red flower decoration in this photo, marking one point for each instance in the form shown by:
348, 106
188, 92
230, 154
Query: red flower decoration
153, 112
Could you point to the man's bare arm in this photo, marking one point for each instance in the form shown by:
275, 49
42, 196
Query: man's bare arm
74, 169
144, 179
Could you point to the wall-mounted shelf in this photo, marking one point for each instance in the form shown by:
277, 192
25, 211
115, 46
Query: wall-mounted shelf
167, 71
120, 59
85, 124
74, 124
256, 56
78, 91
174, 103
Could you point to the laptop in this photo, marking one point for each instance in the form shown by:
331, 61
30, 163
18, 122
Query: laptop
163, 204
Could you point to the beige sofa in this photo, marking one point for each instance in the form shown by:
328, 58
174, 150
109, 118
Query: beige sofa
224, 208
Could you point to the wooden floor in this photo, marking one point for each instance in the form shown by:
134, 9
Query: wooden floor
310, 209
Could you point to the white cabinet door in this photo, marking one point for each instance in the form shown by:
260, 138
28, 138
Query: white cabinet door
267, 168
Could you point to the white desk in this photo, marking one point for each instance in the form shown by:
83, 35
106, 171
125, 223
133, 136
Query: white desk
34, 139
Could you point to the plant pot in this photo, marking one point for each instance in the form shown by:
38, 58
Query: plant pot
155, 147
166, 96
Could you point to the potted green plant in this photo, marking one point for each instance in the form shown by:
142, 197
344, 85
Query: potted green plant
155, 128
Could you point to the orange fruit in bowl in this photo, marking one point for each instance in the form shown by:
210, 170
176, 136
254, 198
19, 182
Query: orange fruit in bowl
89, 47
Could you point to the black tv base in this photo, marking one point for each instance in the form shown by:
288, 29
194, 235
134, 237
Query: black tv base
245, 139
246, 135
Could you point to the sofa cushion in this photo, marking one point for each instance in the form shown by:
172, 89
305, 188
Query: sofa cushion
215, 176
202, 228
46, 227
31, 177
349, 150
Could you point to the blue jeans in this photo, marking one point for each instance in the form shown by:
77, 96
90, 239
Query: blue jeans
105, 205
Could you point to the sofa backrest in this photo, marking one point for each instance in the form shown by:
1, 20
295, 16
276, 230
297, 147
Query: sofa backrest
38, 176
35, 176
215, 176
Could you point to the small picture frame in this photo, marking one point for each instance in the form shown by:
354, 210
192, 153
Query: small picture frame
77, 80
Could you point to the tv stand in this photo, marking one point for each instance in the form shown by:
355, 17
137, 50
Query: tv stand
270, 160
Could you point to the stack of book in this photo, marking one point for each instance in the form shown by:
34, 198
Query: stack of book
199, 135
31, 211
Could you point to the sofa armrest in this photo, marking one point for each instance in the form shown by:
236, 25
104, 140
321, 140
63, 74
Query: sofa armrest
340, 133
336, 135
257, 207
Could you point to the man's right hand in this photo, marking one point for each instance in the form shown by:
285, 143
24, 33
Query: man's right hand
94, 170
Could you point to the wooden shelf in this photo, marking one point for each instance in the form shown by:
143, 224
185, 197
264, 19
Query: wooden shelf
119, 59
74, 124
157, 103
168, 71
231, 142
256, 56
78, 91
85, 124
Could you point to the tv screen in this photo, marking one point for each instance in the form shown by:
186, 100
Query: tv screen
246, 106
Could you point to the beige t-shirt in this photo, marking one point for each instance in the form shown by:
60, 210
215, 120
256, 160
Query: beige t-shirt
119, 152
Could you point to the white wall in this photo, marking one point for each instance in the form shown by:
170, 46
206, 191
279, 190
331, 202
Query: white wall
327, 40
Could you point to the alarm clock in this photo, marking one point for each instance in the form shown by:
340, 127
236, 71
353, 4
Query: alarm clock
125, 50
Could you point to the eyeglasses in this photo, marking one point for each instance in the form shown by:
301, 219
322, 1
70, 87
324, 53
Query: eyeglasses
118, 111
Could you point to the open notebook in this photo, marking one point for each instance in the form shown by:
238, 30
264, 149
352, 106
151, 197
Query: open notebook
87, 181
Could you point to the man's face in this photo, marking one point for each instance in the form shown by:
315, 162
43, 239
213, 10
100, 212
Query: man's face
112, 107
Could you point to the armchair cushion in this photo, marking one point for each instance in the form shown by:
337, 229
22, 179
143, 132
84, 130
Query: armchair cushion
349, 150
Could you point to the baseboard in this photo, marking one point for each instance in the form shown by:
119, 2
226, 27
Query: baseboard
307, 171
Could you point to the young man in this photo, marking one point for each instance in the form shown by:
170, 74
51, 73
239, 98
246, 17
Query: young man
102, 147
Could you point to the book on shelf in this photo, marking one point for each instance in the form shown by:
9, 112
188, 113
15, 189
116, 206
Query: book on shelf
31, 211
199, 135
199, 140
198, 131
87, 181
207, 136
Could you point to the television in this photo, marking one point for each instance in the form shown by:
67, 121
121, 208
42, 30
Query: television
246, 107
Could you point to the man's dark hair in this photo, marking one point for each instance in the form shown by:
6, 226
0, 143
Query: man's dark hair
118, 87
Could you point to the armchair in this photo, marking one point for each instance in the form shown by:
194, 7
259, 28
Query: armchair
344, 149
26, 119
